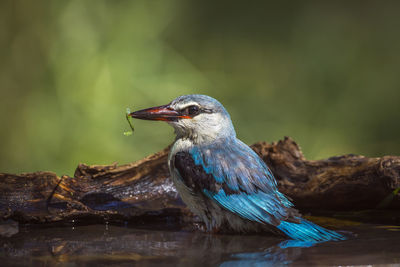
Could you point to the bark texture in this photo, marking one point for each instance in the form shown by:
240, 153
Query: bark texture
142, 193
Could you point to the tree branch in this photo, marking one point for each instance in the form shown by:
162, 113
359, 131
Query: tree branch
143, 193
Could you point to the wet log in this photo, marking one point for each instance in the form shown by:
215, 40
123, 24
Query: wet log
142, 193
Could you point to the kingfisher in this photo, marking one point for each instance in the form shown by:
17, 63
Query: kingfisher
221, 179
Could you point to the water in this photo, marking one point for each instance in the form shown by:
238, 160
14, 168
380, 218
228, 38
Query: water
108, 245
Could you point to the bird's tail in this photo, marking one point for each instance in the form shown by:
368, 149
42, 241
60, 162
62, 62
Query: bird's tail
308, 231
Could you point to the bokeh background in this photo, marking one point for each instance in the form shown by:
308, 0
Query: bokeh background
325, 73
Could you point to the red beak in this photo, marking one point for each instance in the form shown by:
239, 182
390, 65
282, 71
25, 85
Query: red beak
161, 113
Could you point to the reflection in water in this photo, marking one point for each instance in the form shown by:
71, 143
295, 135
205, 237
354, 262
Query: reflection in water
270, 257
102, 245
283, 253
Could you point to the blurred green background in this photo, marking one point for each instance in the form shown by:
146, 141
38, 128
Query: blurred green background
324, 73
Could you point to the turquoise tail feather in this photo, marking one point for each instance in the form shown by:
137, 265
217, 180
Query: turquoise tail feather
308, 231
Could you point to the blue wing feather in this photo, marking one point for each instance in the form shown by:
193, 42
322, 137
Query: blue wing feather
252, 207
238, 180
308, 231
253, 192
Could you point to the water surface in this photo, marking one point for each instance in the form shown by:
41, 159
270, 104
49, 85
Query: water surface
104, 245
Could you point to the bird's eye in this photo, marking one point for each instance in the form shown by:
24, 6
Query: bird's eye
191, 110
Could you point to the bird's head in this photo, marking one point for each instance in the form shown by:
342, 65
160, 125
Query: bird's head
198, 117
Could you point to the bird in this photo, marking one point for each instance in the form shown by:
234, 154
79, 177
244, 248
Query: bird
221, 179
